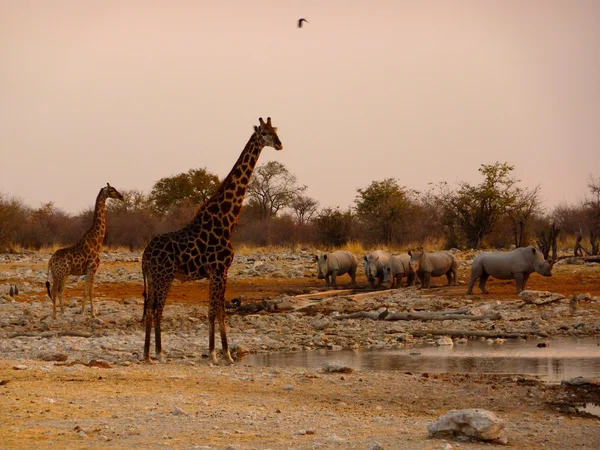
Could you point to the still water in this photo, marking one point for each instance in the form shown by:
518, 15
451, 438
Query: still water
562, 359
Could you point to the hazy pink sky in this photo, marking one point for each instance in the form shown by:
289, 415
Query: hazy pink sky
130, 92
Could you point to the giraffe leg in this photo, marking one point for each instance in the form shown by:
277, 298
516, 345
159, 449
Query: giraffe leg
149, 319
218, 280
85, 293
57, 294
212, 313
157, 295
223, 331
52, 294
157, 334
91, 293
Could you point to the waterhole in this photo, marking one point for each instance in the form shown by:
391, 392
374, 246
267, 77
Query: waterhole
558, 360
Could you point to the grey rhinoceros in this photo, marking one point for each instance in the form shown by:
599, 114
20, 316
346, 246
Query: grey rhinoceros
433, 264
398, 266
374, 264
334, 264
517, 265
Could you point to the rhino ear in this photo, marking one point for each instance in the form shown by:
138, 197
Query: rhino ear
316, 257
410, 253
325, 257
533, 250
365, 258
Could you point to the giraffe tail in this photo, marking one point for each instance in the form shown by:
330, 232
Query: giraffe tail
48, 289
145, 295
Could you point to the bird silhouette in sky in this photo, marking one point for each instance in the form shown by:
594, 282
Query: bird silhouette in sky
300, 22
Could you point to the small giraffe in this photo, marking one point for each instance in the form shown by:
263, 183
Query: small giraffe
82, 258
202, 249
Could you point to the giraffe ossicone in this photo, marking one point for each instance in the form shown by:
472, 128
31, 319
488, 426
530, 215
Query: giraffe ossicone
83, 258
202, 248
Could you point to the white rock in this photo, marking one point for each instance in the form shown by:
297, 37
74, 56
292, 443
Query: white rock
445, 340
479, 424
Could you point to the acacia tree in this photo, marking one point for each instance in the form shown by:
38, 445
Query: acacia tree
194, 186
475, 209
304, 208
526, 205
271, 189
382, 207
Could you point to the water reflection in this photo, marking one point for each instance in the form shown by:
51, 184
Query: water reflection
562, 359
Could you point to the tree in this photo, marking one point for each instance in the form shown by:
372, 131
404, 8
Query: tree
592, 206
546, 241
12, 214
476, 209
304, 208
46, 226
132, 222
334, 227
271, 189
195, 186
133, 200
526, 206
382, 208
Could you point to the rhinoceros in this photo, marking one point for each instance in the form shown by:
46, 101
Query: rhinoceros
433, 264
337, 263
398, 266
517, 265
374, 264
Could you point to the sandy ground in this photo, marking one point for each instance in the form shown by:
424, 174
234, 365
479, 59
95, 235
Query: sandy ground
175, 405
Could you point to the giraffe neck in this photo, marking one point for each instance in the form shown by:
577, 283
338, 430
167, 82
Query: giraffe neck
94, 237
227, 201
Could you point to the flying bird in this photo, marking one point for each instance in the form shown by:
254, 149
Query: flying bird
302, 20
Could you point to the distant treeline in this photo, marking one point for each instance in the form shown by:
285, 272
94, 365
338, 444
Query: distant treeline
496, 213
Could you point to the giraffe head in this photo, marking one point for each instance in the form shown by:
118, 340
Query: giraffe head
267, 134
111, 192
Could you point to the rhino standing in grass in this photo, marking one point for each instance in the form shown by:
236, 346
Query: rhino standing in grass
515, 265
398, 266
334, 264
374, 264
434, 264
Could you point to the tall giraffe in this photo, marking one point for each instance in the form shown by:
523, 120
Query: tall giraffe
82, 258
202, 249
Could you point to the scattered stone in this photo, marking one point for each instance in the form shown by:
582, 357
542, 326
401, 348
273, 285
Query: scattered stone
53, 356
177, 411
444, 340
336, 367
540, 297
581, 381
20, 367
479, 424
335, 438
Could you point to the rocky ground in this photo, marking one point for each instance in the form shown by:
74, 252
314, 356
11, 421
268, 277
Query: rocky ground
78, 382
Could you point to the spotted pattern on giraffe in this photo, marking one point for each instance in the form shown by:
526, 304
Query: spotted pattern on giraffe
83, 258
202, 248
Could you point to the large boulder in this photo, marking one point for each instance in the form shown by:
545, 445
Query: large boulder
540, 297
479, 424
